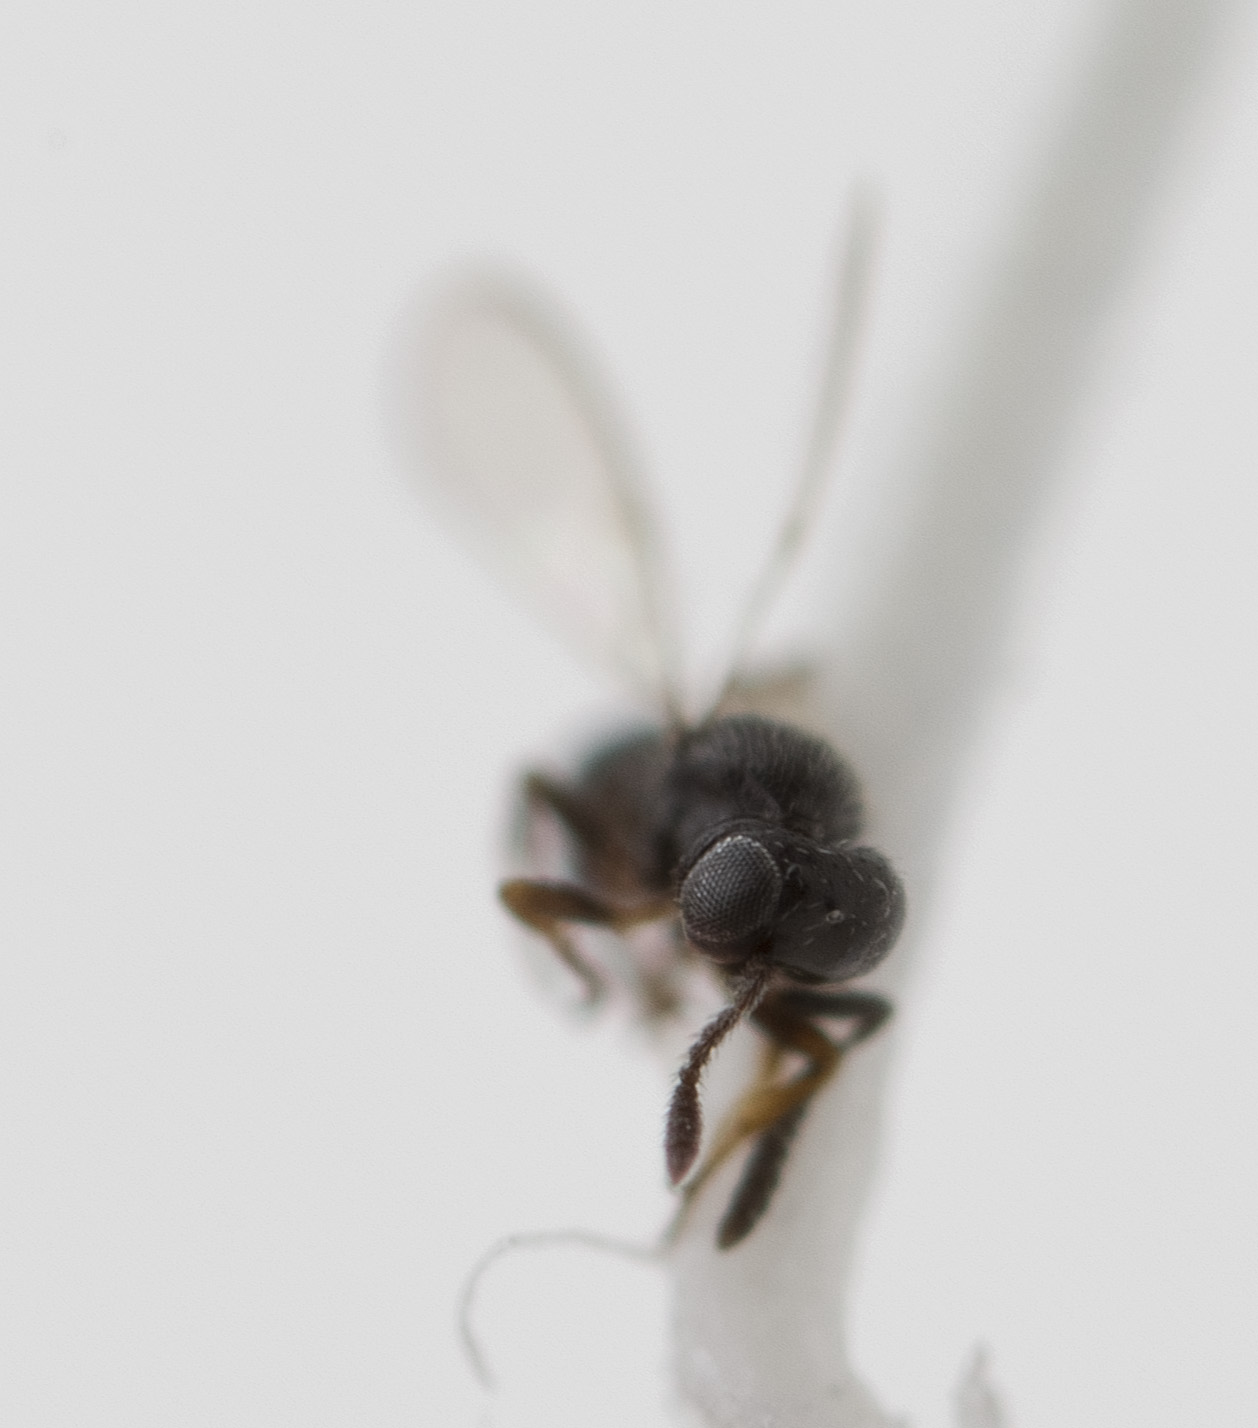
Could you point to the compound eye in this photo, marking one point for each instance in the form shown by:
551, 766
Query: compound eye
730, 894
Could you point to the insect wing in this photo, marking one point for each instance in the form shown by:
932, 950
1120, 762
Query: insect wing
534, 468
830, 410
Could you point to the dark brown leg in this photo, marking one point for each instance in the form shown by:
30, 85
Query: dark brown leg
866, 1012
541, 791
772, 1110
786, 1024
759, 1179
547, 906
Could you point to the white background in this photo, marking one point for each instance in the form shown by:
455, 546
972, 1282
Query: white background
272, 1072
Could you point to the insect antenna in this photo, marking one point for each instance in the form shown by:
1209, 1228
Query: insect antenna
684, 1125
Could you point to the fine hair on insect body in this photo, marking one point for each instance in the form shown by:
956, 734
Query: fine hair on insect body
736, 833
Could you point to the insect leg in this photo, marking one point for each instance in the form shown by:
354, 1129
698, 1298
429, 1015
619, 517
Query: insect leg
546, 904
541, 791
546, 907
772, 1110
786, 1022
867, 1011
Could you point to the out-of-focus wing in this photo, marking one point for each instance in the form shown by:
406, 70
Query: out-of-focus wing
833, 399
526, 455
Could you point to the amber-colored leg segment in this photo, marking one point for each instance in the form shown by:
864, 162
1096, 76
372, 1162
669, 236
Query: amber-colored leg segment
759, 1179
547, 906
786, 1023
772, 1109
768, 1104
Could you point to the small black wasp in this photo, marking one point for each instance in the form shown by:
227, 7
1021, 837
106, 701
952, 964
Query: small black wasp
739, 832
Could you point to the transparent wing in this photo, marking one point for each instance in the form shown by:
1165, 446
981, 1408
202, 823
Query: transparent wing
526, 454
833, 401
